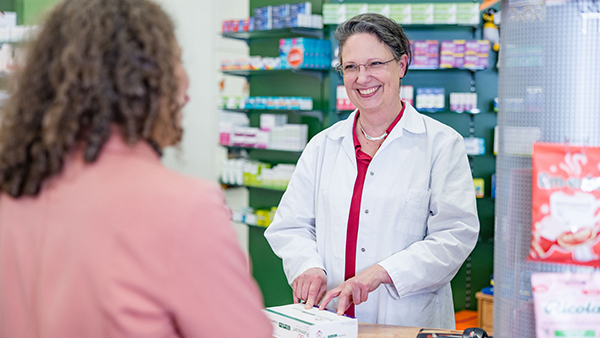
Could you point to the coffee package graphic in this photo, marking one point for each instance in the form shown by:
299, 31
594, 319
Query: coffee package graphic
565, 204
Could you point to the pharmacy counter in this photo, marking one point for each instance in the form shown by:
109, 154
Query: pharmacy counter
367, 330
390, 331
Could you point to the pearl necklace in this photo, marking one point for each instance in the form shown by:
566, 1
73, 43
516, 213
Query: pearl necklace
371, 138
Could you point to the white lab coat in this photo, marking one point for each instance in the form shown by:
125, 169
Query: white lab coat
418, 217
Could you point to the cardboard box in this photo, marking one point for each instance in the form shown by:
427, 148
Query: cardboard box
293, 321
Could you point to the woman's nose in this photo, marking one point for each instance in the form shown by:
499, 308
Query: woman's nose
362, 75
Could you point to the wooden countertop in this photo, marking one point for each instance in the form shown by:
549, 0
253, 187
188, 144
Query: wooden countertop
366, 330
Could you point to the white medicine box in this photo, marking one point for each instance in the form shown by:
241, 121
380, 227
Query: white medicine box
294, 321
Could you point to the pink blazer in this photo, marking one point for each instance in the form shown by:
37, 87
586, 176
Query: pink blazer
124, 247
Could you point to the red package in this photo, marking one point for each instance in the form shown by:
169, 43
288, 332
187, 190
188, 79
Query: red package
565, 204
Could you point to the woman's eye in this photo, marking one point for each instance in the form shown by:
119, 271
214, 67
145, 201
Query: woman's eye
346, 67
376, 63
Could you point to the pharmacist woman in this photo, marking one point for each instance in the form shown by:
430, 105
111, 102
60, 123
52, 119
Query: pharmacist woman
380, 213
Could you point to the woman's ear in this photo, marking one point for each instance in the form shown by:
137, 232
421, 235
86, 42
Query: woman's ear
403, 65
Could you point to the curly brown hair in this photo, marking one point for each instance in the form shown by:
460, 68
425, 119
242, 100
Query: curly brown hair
94, 63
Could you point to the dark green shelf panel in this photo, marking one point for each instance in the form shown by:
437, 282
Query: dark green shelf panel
316, 73
267, 269
308, 113
253, 187
425, 26
276, 33
271, 151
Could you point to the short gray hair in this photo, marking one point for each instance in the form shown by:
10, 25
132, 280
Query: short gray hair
386, 30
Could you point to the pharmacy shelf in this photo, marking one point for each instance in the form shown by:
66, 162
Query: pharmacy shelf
316, 73
229, 186
473, 112
445, 111
310, 113
426, 26
446, 69
264, 149
251, 225
276, 33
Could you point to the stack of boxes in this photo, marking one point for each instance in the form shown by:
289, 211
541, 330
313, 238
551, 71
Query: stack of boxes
259, 217
469, 54
276, 17
352, 10
237, 26
251, 63
401, 13
452, 54
477, 54
466, 13
422, 14
383, 9
290, 137
444, 13
279, 15
267, 102
407, 94
430, 100
263, 18
274, 132
305, 53
425, 54
286, 15
342, 100
463, 102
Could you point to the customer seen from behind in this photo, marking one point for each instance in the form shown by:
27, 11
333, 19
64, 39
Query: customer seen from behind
97, 238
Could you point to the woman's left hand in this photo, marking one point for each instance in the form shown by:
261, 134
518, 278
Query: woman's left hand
356, 289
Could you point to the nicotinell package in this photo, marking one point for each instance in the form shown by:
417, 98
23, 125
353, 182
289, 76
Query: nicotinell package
566, 304
294, 321
565, 204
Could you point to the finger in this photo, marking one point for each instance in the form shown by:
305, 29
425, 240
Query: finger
328, 297
365, 296
295, 290
322, 292
344, 304
313, 292
356, 297
304, 291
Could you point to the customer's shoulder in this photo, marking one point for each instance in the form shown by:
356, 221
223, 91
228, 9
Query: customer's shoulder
179, 183
153, 181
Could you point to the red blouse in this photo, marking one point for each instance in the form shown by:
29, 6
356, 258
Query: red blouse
362, 163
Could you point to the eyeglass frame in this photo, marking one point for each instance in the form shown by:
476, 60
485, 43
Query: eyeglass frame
340, 67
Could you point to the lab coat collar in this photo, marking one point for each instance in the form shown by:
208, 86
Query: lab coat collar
411, 121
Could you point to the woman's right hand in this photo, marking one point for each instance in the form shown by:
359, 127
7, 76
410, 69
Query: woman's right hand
310, 287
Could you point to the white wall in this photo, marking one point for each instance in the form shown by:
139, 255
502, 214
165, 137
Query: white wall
198, 29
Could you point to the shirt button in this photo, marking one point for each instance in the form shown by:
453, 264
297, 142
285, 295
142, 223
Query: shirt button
362, 249
366, 211
372, 173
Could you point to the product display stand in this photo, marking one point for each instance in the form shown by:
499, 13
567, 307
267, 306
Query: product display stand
548, 92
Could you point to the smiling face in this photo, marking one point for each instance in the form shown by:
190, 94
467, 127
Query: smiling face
378, 90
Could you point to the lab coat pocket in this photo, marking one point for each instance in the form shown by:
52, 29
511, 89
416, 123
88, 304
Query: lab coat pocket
415, 212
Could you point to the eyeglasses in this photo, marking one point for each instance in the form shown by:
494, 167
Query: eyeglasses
351, 69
